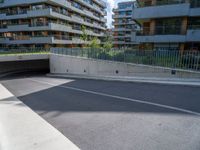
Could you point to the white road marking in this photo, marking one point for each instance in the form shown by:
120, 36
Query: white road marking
122, 98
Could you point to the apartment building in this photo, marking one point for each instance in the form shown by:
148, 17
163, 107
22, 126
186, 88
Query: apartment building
124, 26
50, 23
168, 24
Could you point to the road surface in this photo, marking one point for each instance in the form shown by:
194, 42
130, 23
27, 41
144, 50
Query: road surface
101, 115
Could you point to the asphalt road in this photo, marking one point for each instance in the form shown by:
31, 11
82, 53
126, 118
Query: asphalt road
100, 115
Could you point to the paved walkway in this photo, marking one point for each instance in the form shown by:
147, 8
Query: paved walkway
23, 129
171, 81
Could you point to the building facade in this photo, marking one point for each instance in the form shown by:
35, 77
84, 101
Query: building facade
169, 24
124, 26
50, 23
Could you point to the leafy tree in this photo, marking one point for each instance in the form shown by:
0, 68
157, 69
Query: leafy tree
108, 44
84, 36
95, 43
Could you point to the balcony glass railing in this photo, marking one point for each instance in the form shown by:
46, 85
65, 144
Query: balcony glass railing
194, 27
62, 37
195, 3
20, 37
29, 37
3, 26
42, 24
38, 24
166, 30
160, 30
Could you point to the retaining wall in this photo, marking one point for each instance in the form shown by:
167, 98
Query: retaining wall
92, 67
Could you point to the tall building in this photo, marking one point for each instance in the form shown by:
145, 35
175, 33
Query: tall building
50, 23
169, 24
124, 26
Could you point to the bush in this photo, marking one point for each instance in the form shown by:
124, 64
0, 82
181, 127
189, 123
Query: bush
191, 61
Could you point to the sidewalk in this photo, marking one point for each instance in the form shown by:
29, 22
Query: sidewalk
23, 129
171, 81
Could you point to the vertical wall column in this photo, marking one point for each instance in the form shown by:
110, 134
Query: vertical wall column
153, 2
152, 27
184, 25
183, 31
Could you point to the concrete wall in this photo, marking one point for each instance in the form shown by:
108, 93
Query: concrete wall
5, 58
34, 65
82, 66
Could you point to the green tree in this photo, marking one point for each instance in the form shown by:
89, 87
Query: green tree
95, 43
108, 44
84, 36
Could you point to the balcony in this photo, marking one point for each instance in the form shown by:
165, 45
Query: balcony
160, 11
148, 3
77, 19
103, 19
29, 13
46, 11
26, 27
122, 29
193, 33
121, 16
3, 40
162, 34
123, 42
101, 2
161, 39
122, 35
91, 6
97, 25
65, 39
195, 12
51, 39
125, 9
123, 23
27, 39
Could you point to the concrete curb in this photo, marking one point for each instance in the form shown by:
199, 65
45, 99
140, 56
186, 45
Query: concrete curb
169, 81
23, 129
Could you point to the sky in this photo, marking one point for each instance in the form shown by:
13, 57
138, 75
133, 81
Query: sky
110, 5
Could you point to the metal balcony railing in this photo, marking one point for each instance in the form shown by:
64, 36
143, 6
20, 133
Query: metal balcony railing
188, 60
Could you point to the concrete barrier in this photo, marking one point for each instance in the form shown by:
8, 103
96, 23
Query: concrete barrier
63, 64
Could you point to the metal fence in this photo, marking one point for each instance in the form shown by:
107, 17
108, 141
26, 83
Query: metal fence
173, 59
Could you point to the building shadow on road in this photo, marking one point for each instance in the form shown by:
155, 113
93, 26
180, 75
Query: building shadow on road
62, 99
